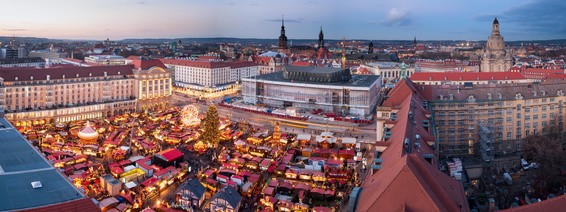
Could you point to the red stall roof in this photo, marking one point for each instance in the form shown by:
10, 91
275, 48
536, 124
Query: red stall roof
171, 154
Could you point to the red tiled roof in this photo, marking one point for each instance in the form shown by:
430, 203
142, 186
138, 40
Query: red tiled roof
146, 64
432, 190
83, 205
206, 57
208, 64
171, 154
465, 76
302, 63
25, 74
261, 60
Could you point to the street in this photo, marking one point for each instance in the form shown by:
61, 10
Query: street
289, 126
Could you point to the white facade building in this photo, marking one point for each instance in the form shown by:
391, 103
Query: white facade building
206, 75
389, 72
108, 60
308, 88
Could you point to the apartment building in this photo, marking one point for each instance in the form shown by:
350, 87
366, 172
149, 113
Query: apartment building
510, 111
61, 94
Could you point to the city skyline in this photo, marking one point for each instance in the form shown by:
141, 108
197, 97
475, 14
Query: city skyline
381, 20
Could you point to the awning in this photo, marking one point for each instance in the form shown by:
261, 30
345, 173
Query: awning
131, 185
348, 140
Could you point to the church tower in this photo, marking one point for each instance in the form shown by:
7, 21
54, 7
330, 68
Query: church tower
495, 57
320, 39
283, 39
322, 52
370, 47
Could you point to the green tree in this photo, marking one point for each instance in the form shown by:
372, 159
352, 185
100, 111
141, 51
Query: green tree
211, 122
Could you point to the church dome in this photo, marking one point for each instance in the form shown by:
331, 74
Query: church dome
495, 42
88, 133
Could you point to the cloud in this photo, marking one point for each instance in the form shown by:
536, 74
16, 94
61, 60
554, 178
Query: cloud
397, 17
141, 2
540, 17
299, 20
15, 30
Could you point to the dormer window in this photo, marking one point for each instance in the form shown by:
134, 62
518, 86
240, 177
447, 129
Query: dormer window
518, 96
471, 98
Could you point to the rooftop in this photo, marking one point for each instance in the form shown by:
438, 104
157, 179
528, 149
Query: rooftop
208, 64
20, 165
549, 88
29, 74
404, 165
355, 81
21, 60
466, 76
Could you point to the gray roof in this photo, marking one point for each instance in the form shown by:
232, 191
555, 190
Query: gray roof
194, 186
481, 92
20, 165
229, 194
311, 69
21, 60
356, 81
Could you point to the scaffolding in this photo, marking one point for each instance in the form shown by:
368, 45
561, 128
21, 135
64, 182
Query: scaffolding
486, 139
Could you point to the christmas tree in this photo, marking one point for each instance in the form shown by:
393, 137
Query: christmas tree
211, 122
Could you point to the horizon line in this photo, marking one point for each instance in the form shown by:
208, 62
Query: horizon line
220, 37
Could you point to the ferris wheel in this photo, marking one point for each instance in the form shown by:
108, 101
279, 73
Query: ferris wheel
189, 115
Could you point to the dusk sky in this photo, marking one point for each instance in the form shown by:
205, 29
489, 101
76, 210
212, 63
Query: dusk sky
355, 19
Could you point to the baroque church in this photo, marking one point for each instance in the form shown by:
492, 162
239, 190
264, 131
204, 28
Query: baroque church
496, 57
